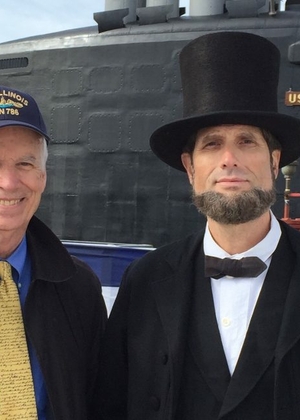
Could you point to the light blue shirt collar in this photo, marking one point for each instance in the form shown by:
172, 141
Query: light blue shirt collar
17, 259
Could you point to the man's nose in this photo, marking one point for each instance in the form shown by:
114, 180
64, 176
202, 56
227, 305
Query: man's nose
9, 178
228, 158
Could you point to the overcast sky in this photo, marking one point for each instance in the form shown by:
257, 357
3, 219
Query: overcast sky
23, 18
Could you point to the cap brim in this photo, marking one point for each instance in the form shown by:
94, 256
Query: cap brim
11, 123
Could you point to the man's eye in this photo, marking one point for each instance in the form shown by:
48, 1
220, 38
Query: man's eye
211, 144
247, 141
25, 164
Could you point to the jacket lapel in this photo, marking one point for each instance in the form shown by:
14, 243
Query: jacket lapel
186, 308
204, 338
173, 295
261, 339
290, 329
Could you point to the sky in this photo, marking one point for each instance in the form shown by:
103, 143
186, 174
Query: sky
23, 18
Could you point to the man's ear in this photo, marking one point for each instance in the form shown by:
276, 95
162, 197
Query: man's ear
275, 162
187, 162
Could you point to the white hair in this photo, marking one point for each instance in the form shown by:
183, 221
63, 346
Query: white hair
44, 144
45, 151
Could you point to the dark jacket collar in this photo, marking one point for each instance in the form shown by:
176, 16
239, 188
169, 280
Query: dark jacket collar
49, 258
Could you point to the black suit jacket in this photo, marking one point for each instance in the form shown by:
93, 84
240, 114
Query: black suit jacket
148, 332
64, 318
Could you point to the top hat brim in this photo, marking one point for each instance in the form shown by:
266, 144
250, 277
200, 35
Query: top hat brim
168, 141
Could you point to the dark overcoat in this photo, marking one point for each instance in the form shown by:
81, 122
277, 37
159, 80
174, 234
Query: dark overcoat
159, 336
64, 319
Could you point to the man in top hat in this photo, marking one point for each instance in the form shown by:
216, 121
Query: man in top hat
208, 328
52, 313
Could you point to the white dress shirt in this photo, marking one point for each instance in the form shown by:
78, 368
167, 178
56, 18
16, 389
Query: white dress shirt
235, 298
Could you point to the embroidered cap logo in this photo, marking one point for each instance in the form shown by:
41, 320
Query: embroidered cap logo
20, 109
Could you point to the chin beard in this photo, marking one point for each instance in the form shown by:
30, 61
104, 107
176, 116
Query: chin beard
237, 208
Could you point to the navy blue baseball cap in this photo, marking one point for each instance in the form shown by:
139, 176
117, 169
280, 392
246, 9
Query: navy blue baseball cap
20, 109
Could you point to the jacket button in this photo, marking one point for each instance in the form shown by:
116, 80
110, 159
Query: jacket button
165, 359
155, 403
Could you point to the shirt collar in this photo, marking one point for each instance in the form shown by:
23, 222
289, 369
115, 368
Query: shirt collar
18, 257
264, 249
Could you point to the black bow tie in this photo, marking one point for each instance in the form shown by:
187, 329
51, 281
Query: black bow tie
245, 267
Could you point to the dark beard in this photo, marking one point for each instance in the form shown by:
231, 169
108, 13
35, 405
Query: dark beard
237, 208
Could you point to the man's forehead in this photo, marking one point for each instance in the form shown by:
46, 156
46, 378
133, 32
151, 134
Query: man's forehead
225, 128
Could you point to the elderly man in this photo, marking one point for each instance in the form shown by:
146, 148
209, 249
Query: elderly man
208, 328
52, 313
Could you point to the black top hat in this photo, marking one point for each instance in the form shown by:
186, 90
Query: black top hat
228, 78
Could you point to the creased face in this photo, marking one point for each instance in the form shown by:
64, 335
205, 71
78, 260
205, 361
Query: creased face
22, 176
232, 173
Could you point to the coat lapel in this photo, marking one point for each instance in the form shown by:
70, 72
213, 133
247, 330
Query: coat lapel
261, 339
186, 308
290, 329
204, 338
173, 295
